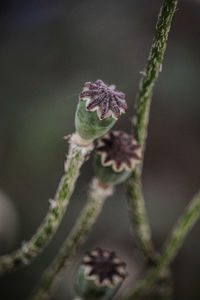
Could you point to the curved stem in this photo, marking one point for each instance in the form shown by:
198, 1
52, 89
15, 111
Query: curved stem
138, 213
97, 196
31, 249
173, 244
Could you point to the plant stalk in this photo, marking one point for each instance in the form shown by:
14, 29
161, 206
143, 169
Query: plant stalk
138, 214
173, 244
31, 249
97, 196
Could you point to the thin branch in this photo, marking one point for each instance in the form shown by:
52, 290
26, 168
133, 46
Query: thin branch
97, 196
31, 249
138, 215
173, 244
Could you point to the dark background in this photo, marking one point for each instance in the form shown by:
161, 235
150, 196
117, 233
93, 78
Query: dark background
48, 50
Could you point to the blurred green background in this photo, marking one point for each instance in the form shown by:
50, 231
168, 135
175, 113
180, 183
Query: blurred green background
48, 50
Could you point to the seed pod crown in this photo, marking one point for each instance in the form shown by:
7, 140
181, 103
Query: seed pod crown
103, 98
104, 267
99, 107
118, 150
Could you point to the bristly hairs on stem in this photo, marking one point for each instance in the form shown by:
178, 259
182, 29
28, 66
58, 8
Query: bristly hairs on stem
138, 214
88, 127
31, 249
108, 146
170, 249
98, 193
192, 212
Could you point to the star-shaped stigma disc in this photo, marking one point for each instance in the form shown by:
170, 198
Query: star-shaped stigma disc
104, 267
119, 150
103, 98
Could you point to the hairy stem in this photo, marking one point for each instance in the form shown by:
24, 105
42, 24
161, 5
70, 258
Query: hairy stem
97, 196
138, 213
173, 244
31, 249
138, 217
163, 289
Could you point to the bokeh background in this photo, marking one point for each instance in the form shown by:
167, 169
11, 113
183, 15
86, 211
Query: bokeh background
47, 50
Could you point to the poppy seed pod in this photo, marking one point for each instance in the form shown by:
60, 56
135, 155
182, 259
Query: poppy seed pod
117, 154
99, 275
100, 105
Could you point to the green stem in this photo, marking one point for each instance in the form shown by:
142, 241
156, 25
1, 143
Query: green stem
97, 196
138, 217
163, 289
138, 213
31, 249
173, 244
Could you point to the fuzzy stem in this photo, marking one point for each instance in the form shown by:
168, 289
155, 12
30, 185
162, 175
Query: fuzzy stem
138, 217
163, 289
31, 249
97, 196
173, 244
138, 212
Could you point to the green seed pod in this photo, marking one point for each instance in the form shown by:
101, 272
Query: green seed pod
99, 275
117, 154
99, 107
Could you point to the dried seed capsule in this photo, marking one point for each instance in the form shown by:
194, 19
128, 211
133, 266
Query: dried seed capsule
99, 275
99, 108
117, 154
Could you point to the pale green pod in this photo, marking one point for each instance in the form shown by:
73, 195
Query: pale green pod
107, 175
100, 275
99, 107
117, 154
88, 125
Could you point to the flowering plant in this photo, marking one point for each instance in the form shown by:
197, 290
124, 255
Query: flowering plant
118, 158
